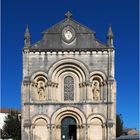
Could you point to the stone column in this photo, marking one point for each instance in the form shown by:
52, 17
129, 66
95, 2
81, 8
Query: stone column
84, 91
27, 130
81, 91
49, 91
53, 135
87, 126
58, 132
102, 91
33, 131
53, 91
82, 87
104, 131
109, 126
89, 91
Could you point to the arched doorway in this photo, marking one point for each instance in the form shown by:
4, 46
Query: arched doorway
68, 129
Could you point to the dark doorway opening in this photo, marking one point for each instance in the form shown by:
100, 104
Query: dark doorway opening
72, 132
68, 129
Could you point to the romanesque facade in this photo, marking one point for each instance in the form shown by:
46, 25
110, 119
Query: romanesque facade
68, 87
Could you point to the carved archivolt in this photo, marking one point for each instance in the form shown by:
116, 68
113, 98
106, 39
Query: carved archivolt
72, 65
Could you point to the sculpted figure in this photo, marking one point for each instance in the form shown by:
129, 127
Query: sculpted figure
96, 91
41, 91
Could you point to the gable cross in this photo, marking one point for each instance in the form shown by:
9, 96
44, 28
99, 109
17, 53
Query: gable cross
68, 14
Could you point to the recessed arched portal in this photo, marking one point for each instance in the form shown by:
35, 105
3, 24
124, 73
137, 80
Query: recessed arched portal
70, 116
68, 129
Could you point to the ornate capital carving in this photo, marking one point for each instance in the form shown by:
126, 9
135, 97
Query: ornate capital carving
109, 123
58, 126
88, 83
26, 81
82, 84
78, 126
110, 80
49, 83
48, 126
52, 126
53, 84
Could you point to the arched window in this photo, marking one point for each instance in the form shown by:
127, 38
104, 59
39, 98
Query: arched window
68, 88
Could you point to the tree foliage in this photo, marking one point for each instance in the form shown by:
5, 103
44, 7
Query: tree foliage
119, 125
12, 126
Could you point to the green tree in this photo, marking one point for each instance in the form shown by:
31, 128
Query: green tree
119, 125
12, 126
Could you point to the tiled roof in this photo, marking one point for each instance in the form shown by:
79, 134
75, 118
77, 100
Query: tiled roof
83, 37
8, 110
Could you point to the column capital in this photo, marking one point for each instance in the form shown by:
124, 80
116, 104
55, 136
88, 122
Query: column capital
109, 123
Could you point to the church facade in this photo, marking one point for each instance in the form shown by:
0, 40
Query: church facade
68, 87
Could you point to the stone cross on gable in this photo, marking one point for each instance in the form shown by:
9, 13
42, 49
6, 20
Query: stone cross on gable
68, 14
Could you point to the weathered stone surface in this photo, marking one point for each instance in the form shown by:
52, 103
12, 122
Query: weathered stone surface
90, 64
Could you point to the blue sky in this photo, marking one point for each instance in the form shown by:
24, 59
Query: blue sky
95, 14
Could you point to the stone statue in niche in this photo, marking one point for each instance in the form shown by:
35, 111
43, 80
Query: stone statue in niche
41, 91
96, 90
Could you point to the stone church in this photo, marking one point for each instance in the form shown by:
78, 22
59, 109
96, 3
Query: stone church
68, 86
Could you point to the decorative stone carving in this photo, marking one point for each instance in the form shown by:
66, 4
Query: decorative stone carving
41, 90
88, 83
96, 90
109, 123
82, 84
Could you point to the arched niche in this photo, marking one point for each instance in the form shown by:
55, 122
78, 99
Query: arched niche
40, 129
38, 87
96, 127
98, 82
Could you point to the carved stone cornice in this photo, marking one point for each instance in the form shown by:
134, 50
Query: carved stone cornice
49, 83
